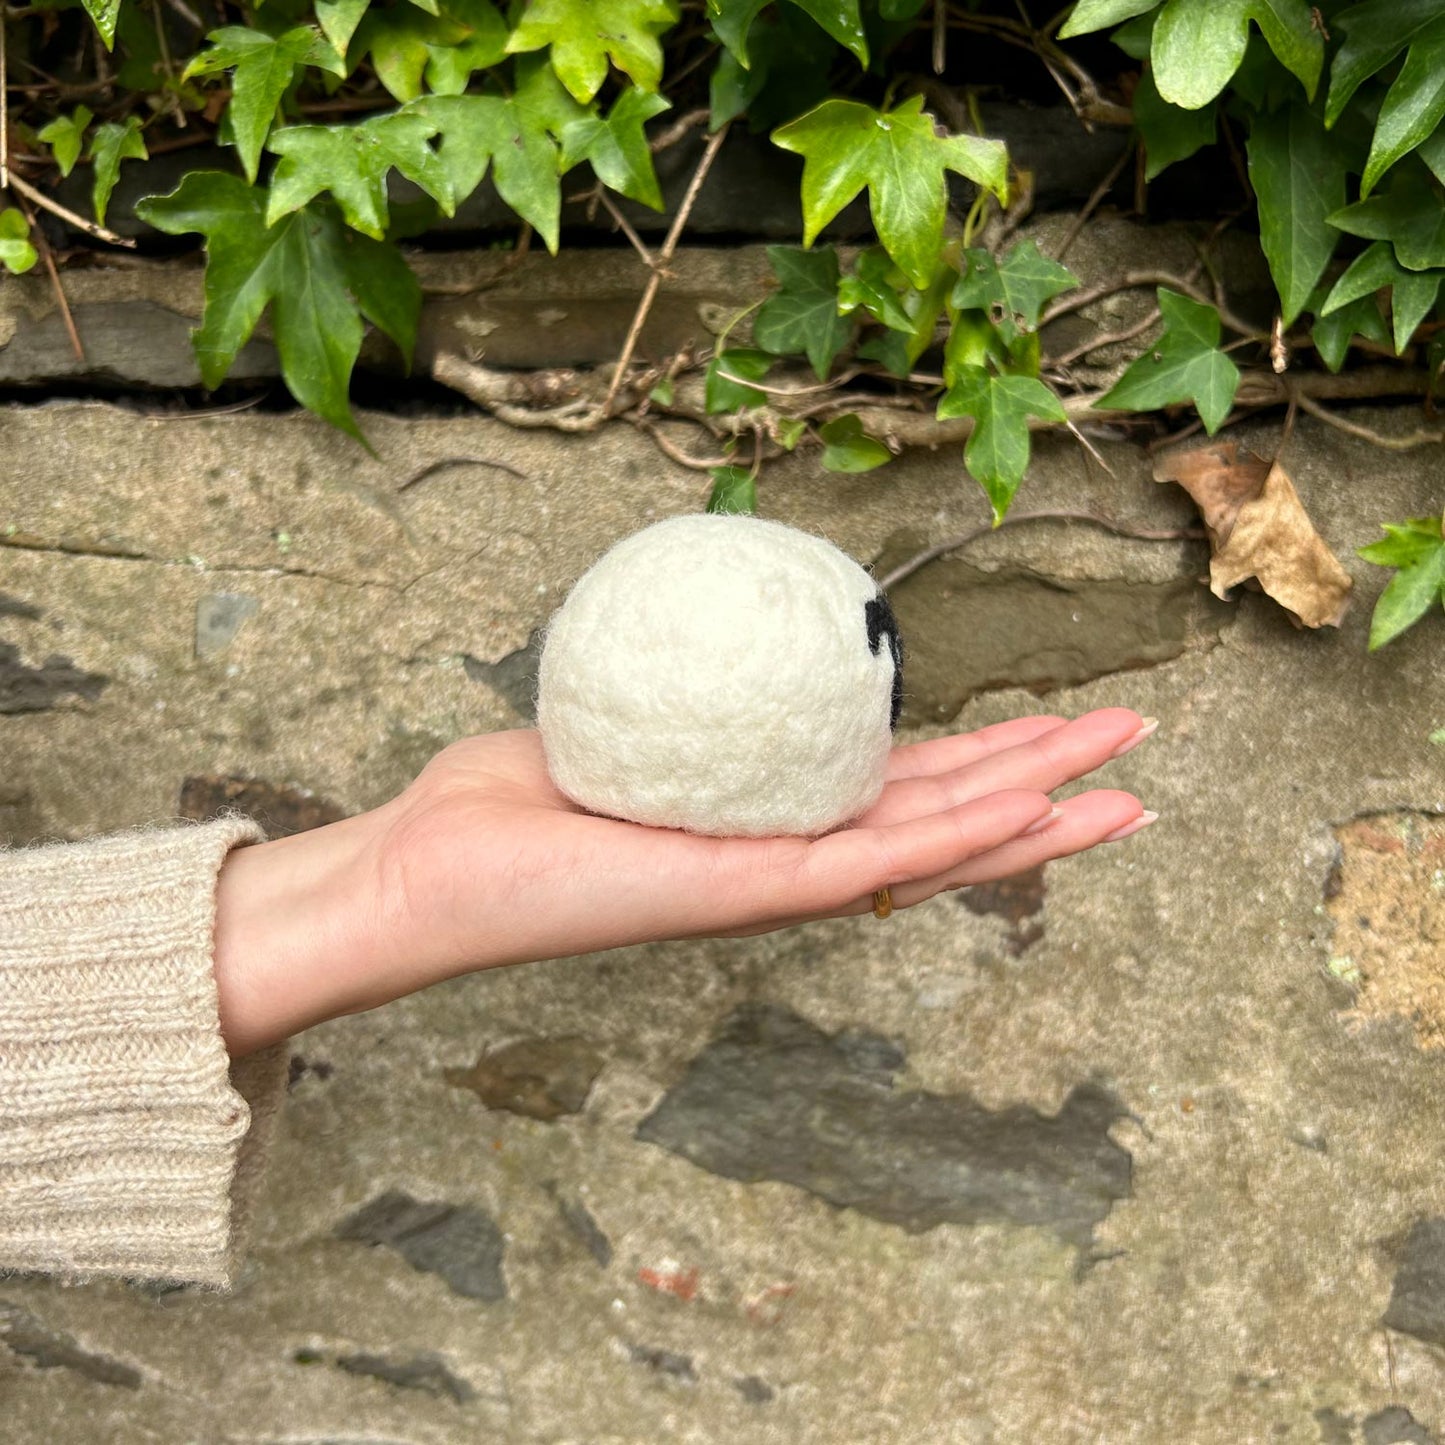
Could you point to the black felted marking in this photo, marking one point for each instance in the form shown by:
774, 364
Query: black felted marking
881, 623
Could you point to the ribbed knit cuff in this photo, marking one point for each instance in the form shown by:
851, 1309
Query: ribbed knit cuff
129, 1143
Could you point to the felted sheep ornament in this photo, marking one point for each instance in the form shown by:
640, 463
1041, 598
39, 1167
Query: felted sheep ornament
724, 675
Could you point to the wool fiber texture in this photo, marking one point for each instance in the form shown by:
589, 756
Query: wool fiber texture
130, 1144
725, 675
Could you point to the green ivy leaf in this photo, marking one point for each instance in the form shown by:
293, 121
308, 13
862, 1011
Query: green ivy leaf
788, 431
1183, 365
848, 448
1411, 216
1015, 290
1417, 549
516, 136
65, 135
617, 147
972, 339
1091, 15
17, 255
403, 42
1169, 132
841, 20
997, 454
338, 20
450, 66
734, 489
1333, 333
585, 34
1413, 293
1432, 152
104, 13
1199, 44
1375, 33
1298, 175
352, 162
1408, 544
902, 161
723, 386
1413, 107
264, 66
890, 350
872, 287
318, 277
1289, 29
732, 22
1197, 47
110, 144
802, 315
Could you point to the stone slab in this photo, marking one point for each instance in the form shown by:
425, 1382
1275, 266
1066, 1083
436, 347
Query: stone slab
1284, 1155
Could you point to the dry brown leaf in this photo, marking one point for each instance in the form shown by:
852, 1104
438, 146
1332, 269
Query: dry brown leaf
1258, 528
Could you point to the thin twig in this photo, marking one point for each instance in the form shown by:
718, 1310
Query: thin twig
670, 449
1131, 280
626, 228
1096, 198
1108, 338
679, 128
166, 63
908, 568
1089, 447
4, 108
186, 13
1287, 431
654, 281
43, 246
832, 384
203, 413
940, 36
445, 462
25, 189
1425, 436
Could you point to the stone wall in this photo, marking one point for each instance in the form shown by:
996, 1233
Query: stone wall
1143, 1147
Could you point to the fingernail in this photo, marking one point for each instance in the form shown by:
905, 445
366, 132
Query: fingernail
1042, 823
1142, 821
1150, 723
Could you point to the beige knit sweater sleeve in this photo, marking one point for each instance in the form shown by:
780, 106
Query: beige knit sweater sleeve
129, 1143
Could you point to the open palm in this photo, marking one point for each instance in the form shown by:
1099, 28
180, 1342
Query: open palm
489, 864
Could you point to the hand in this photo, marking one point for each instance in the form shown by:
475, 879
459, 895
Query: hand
482, 862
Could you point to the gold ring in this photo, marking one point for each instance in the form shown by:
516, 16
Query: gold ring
882, 903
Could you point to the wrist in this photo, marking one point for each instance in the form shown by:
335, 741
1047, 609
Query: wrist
296, 933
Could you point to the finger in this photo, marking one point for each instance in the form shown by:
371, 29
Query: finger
1046, 761
942, 755
1084, 822
838, 867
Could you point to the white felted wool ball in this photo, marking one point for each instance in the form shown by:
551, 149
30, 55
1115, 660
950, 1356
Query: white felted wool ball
725, 675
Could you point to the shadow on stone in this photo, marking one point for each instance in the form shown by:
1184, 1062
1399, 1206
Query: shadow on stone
427, 1372
537, 1078
775, 1098
1395, 1425
514, 677
1018, 901
1417, 1298
37, 689
280, 811
48, 1349
459, 1242
665, 1362
969, 631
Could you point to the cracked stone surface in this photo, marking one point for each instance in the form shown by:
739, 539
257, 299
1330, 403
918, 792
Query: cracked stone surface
1272, 1273
772, 1097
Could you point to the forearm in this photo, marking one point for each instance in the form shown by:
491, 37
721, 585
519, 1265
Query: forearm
298, 931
